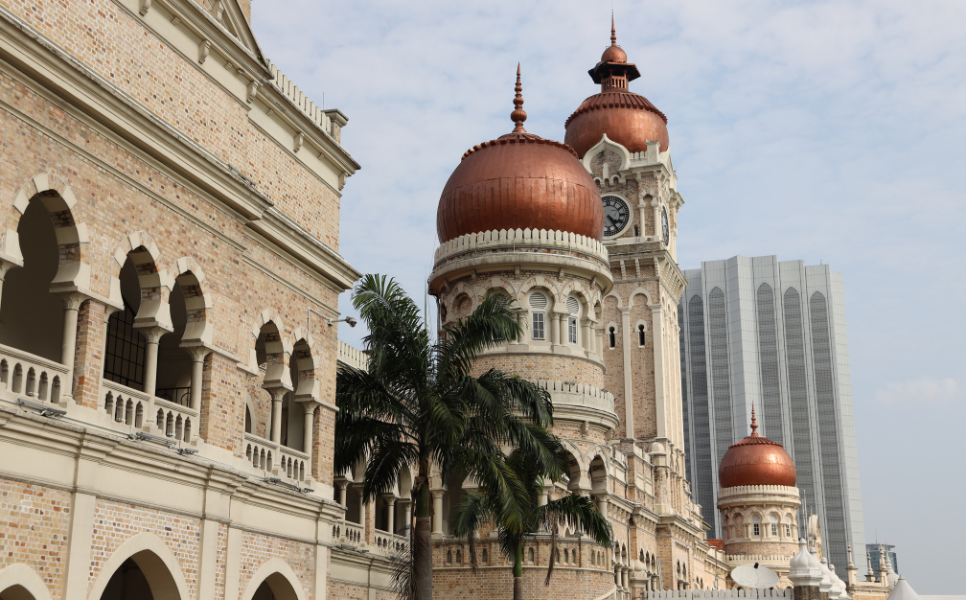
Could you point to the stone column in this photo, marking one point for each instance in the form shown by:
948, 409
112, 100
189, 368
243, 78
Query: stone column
362, 509
628, 373
342, 485
198, 354
409, 516
657, 323
88, 357
391, 517
72, 304
554, 328
278, 394
438, 511
308, 426
152, 336
602, 504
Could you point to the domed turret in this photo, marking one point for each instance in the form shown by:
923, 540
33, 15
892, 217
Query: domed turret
520, 181
627, 118
756, 460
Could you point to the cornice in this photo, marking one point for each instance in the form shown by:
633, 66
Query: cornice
294, 238
108, 107
55, 68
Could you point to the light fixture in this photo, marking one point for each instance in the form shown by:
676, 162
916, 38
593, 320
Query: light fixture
350, 321
292, 486
147, 437
187, 451
42, 410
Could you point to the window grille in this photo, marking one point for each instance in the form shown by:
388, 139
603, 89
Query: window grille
573, 307
768, 359
704, 461
798, 393
720, 373
827, 425
126, 346
685, 413
757, 528
538, 304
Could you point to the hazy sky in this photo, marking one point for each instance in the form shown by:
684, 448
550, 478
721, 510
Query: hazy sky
820, 131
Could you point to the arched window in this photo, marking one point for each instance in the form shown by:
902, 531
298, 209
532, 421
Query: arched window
485, 557
573, 307
613, 337
641, 337
449, 557
774, 525
755, 525
538, 316
530, 555
788, 527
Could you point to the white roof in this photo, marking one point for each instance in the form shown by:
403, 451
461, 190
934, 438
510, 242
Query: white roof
903, 591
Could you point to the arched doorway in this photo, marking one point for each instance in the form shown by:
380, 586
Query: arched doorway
275, 587
143, 576
16, 592
31, 318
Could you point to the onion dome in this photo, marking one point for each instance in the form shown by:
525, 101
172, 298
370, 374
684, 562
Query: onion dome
756, 460
627, 118
520, 181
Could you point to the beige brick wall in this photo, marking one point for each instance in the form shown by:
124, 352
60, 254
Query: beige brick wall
34, 523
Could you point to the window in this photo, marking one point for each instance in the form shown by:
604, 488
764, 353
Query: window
756, 525
641, 338
538, 306
788, 530
613, 338
757, 529
774, 525
774, 529
126, 348
573, 307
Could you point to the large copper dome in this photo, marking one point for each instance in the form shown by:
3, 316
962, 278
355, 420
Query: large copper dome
756, 460
520, 181
627, 118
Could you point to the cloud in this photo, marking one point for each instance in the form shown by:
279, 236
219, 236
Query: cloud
925, 391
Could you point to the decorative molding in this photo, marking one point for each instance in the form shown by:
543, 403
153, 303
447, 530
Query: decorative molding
145, 7
204, 49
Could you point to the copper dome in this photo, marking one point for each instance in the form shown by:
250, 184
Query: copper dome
627, 118
520, 181
756, 460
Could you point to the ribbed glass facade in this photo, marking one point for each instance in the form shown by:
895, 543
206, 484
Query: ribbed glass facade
756, 331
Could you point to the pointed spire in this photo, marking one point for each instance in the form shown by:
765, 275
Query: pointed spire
754, 422
518, 115
613, 30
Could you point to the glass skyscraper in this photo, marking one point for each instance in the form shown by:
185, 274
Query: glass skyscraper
769, 333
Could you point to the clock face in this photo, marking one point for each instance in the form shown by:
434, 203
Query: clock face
664, 226
616, 215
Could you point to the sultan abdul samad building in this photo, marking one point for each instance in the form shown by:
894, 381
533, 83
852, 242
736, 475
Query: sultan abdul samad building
168, 329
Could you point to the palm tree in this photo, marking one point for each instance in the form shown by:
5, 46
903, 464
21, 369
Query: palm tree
419, 403
514, 522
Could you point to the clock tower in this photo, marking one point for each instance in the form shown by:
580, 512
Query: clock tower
622, 141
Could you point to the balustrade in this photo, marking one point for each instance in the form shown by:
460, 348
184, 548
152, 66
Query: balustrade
276, 460
25, 374
348, 533
132, 410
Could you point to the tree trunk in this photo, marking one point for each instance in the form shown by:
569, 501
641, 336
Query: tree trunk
422, 538
518, 572
423, 557
517, 588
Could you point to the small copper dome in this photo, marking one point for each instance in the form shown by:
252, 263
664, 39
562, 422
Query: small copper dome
627, 118
756, 460
613, 53
520, 181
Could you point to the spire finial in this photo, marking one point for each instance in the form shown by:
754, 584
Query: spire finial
754, 422
613, 30
518, 116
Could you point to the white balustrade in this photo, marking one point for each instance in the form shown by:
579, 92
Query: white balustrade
27, 375
132, 410
348, 533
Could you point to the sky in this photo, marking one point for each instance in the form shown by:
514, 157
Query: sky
819, 131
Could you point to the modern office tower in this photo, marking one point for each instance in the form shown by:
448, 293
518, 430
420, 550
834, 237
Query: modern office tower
756, 331
875, 555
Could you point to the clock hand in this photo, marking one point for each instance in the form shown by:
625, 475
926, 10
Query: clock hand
609, 218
